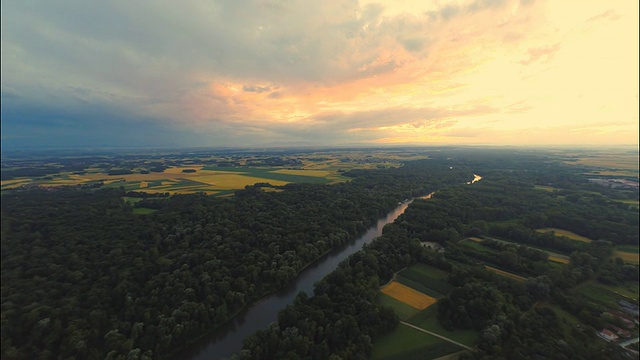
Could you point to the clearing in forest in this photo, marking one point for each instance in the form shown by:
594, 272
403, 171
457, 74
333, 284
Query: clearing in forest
631, 258
408, 295
505, 273
558, 259
566, 233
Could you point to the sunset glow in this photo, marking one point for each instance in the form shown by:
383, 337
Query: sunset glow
266, 73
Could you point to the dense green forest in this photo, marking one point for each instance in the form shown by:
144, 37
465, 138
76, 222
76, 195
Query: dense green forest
84, 277
516, 320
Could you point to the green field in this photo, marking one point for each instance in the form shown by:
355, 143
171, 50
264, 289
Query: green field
428, 320
273, 173
627, 290
565, 233
131, 200
143, 211
407, 343
634, 249
599, 294
401, 309
572, 320
426, 279
477, 246
545, 188
430, 271
410, 344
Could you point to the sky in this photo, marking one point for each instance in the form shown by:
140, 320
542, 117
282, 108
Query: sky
235, 73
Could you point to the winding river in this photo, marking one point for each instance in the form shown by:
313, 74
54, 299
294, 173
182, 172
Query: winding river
228, 339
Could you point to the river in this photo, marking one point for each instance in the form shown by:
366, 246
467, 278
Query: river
228, 339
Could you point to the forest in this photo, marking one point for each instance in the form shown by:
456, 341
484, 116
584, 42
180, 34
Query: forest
84, 275
514, 319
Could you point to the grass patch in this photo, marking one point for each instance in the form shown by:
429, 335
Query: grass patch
401, 309
428, 320
270, 173
505, 273
304, 172
611, 161
627, 257
419, 286
629, 290
561, 260
143, 211
545, 188
566, 233
131, 200
599, 294
410, 344
564, 315
435, 281
429, 271
408, 295
628, 248
477, 246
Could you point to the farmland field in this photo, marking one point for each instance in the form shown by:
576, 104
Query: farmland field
408, 295
407, 343
143, 211
429, 271
600, 294
558, 259
428, 279
545, 188
419, 287
428, 320
628, 257
610, 161
477, 246
401, 309
569, 234
505, 273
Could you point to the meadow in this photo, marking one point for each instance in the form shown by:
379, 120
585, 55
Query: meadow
628, 253
566, 233
408, 343
505, 273
408, 295
189, 174
411, 344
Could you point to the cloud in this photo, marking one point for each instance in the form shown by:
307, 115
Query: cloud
544, 54
221, 72
609, 15
256, 89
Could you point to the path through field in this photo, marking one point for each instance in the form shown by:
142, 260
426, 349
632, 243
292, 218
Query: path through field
436, 335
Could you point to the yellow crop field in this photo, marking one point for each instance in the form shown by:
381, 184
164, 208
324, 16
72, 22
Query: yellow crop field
505, 273
316, 173
617, 161
408, 295
178, 170
558, 259
567, 233
233, 181
476, 239
631, 258
615, 173
14, 181
143, 184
